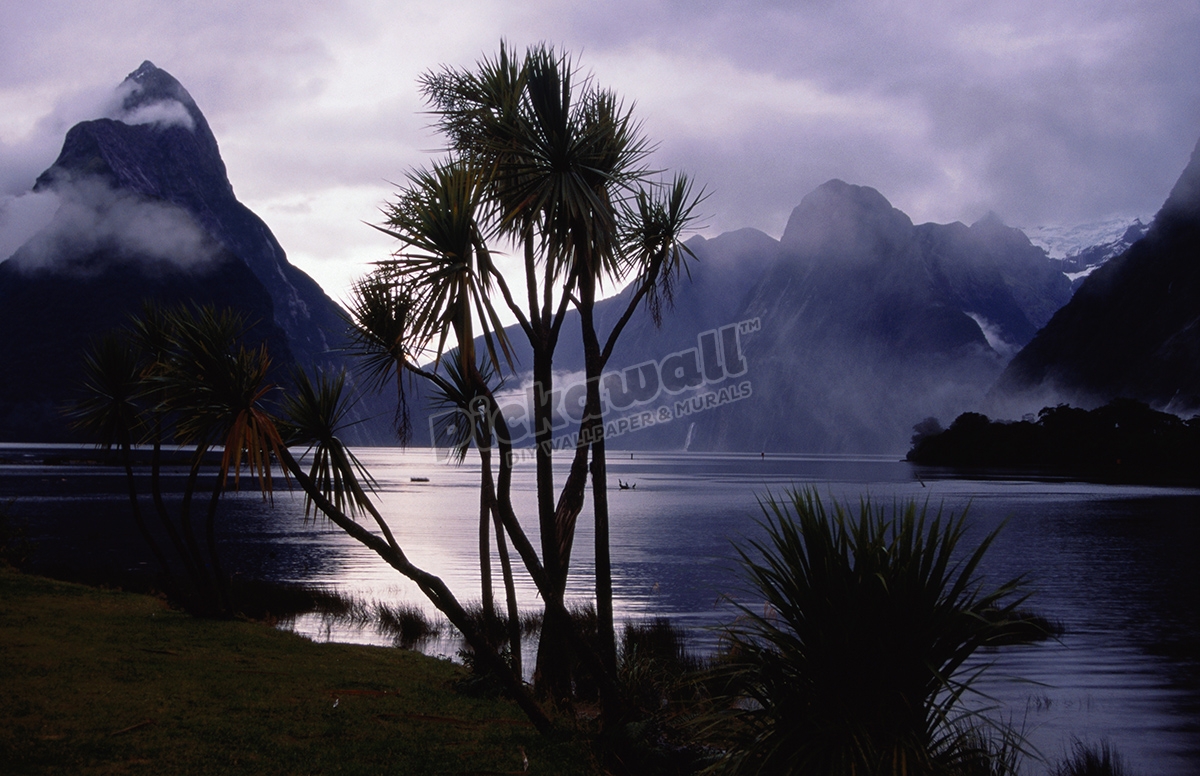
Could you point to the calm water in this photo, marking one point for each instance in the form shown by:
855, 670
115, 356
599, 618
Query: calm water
1117, 565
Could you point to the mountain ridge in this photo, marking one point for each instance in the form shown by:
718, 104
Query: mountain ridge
1132, 330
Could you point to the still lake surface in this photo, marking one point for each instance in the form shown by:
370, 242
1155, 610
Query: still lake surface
1118, 566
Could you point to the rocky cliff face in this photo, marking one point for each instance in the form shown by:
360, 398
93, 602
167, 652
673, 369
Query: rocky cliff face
145, 212
1133, 328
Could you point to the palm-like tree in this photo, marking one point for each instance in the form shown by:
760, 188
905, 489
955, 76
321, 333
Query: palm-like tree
471, 422
213, 388
111, 413
564, 159
653, 252
215, 385
445, 264
184, 368
382, 337
379, 318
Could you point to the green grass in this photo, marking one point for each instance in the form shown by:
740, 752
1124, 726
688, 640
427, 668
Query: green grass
105, 682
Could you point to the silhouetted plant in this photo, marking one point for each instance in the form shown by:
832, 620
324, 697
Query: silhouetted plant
407, 624
1098, 760
853, 659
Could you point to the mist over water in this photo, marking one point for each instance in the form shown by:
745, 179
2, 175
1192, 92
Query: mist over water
1112, 563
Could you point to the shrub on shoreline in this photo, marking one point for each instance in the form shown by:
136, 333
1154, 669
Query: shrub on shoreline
854, 658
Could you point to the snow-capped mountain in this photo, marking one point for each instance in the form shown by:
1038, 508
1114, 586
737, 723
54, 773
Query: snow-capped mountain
1062, 242
1084, 248
1133, 327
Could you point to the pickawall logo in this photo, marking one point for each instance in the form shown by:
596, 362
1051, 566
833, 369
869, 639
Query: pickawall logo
680, 384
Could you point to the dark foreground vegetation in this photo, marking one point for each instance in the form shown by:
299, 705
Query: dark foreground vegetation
1123, 441
98, 681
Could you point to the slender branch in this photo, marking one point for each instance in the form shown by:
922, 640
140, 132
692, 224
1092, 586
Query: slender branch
624, 319
512, 305
531, 278
561, 314
433, 587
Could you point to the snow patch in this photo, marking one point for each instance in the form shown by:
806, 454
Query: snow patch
1061, 242
1075, 276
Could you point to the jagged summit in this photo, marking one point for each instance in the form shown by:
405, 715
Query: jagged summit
153, 152
151, 86
158, 144
155, 84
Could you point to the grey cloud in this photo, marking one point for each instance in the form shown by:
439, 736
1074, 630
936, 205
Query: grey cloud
1045, 111
22, 217
164, 113
23, 160
91, 216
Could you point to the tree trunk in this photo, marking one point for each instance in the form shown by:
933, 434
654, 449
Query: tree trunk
510, 594
487, 498
594, 364
143, 528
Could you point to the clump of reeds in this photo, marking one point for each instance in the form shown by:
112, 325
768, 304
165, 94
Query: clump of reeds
1096, 760
406, 623
653, 662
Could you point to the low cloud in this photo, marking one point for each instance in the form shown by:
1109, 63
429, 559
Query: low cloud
23, 217
163, 113
995, 337
92, 217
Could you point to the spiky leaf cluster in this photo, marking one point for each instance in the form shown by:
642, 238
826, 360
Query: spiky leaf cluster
854, 658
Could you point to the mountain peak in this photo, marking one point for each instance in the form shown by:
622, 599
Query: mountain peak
993, 229
838, 218
990, 219
146, 67
151, 95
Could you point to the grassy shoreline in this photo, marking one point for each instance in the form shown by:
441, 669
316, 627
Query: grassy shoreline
99, 681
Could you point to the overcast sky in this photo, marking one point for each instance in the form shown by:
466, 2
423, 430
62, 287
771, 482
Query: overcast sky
1050, 112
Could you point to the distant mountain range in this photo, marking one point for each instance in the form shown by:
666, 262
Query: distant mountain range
838, 337
857, 325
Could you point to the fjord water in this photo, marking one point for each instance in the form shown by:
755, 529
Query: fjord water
1116, 565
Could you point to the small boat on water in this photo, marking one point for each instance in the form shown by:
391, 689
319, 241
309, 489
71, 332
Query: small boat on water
418, 479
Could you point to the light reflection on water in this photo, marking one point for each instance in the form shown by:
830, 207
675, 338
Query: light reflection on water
1114, 564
